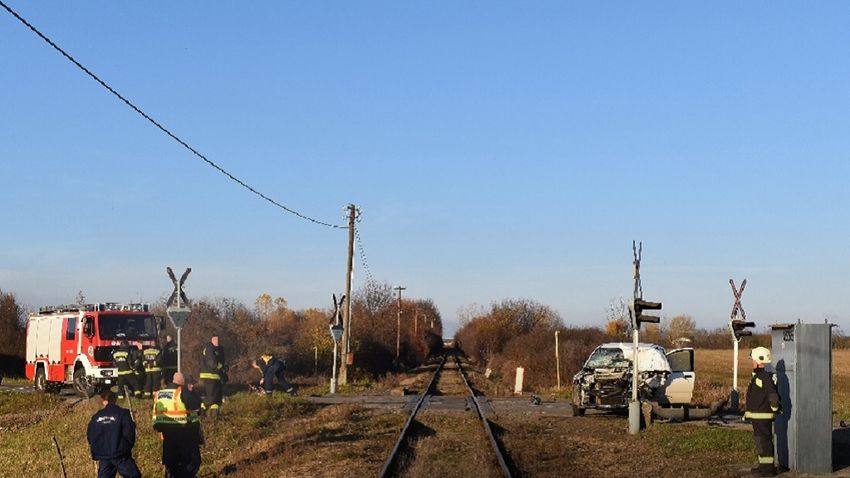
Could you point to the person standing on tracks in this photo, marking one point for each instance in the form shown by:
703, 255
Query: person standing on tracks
213, 375
175, 416
152, 361
123, 358
111, 435
272, 368
762, 408
169, 359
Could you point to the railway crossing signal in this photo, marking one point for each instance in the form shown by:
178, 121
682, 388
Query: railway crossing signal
636, 308
640, 305
177, 309
738, 326
739, 329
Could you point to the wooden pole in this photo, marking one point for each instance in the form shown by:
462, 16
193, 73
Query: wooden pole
346, 311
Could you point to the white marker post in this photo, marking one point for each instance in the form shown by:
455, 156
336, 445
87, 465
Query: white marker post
336, 334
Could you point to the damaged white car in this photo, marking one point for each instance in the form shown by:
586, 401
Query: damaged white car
605, 381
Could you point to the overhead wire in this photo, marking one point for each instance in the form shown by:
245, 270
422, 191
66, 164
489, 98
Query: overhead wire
161, 127
362, 252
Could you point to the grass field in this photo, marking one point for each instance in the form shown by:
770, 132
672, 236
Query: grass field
294, 437
714, 378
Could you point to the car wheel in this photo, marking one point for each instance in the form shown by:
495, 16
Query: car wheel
82, 384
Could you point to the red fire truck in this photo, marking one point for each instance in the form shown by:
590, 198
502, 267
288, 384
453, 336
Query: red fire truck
73, 344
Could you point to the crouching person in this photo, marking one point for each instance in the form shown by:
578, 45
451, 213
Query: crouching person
111, 435
175, 416
272, 368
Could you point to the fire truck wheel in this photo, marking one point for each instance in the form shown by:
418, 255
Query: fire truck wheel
40, 382
82, 384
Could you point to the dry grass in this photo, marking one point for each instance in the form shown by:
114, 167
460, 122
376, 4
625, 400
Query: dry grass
714, 378
599, 447
296, 436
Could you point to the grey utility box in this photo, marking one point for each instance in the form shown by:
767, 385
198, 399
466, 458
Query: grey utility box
802, 360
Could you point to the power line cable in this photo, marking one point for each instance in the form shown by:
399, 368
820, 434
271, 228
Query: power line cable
369, 278
160, 127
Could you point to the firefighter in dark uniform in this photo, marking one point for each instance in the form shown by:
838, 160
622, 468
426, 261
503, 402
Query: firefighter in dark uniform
175, 416
139, 368
272, 368
213, 376
123, 357
169, 359
111, 435
762, 408
152, 360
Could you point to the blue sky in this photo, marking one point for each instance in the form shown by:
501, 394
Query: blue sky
496, 149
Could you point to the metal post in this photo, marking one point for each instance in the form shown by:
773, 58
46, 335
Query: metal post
346, 312
333, 376
735, 405
557, 361
634, 405
179, 356
398, 323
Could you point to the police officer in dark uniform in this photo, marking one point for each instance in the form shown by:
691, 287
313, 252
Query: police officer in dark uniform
213, 375
152, 360
175, 416
272, 368
762, 407
169, 359
124, 357
111, 435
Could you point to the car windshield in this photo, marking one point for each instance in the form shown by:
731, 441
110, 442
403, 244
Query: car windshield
607, 358
125, 326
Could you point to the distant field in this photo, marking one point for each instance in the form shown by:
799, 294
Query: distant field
714, 377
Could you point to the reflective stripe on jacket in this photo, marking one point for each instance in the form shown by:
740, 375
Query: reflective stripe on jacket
151, 358
170, 411
762, 396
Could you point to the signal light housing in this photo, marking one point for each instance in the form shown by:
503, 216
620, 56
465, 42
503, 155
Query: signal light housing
738, 327
638, 317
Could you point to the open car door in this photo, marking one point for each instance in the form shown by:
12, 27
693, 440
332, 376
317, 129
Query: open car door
679, 389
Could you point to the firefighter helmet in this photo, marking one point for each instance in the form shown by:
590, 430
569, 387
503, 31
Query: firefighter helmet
761, 355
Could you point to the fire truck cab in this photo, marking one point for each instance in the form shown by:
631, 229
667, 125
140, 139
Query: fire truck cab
73, 344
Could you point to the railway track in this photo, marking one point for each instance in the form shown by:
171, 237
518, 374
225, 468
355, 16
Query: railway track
448, 390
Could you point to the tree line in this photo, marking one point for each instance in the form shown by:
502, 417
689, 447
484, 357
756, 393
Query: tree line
300, 337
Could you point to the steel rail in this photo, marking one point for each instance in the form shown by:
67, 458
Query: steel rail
506, 471
385, 471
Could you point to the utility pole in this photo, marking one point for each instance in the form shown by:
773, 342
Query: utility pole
416, 322
398, 323
346, 311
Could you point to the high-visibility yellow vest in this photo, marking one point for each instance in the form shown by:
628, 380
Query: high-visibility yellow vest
169, 410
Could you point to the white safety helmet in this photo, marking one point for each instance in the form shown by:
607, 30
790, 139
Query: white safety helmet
761, 355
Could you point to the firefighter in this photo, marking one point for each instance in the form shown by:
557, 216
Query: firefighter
123, 358
152, 360
175, 416
139, 369
213, 375
762, 407
111, 435
272, 368
169, 359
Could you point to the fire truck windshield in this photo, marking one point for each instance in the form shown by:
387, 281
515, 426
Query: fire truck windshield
121, 326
